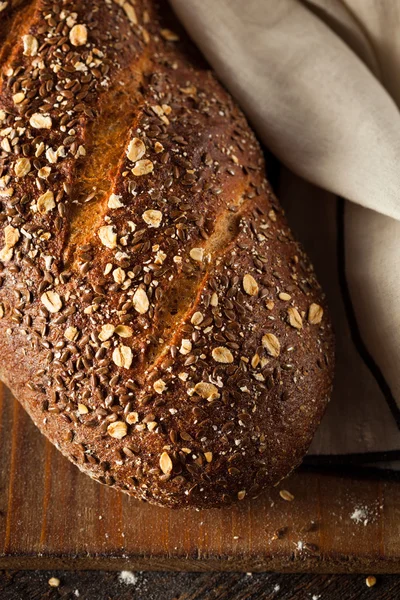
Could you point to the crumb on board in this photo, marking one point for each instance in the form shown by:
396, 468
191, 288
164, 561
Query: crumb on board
286, 495
54, 582
127, 577
370, 581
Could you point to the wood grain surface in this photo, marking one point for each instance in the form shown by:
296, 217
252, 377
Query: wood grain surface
52, 516
194, 586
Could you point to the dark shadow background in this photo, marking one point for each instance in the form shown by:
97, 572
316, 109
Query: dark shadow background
100, 585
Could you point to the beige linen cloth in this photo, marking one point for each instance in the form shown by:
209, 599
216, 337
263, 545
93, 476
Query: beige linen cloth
320, 82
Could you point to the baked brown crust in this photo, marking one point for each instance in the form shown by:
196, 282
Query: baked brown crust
158, 321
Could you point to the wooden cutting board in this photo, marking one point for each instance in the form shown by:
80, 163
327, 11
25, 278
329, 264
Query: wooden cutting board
52, 516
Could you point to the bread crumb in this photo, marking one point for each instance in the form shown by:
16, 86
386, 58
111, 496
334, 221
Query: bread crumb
285, 495
127, 577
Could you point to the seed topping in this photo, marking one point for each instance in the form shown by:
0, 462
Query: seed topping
169, 35
39, 121
46, 202
114, 201
140, 301
166, 465
117, 430
124, 331
222, 355
295, 319
197, 254
107, 331
71, 333
143, 167
271, 344
315, 314
52, 301
78, 35
108, 236
22, 167
250, 285
159, 386
207, 390
122, 356
136, 149
31, 45
152, 217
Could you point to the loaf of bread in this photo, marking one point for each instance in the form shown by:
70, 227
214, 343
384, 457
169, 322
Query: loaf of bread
157, 319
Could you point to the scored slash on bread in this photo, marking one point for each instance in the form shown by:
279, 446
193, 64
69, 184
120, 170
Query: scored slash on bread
157, 319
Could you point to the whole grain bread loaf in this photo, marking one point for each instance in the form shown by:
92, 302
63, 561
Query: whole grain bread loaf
157, 319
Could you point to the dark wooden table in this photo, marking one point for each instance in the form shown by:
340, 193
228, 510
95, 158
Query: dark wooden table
101, 585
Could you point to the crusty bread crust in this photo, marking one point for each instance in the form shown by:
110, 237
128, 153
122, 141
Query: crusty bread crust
158, 321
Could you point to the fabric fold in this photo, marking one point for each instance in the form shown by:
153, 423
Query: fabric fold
314, 103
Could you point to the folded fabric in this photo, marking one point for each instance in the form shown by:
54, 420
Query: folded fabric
319, 82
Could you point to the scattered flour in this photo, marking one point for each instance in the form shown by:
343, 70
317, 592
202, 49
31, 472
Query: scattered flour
127, 577
360, 515
277, 587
